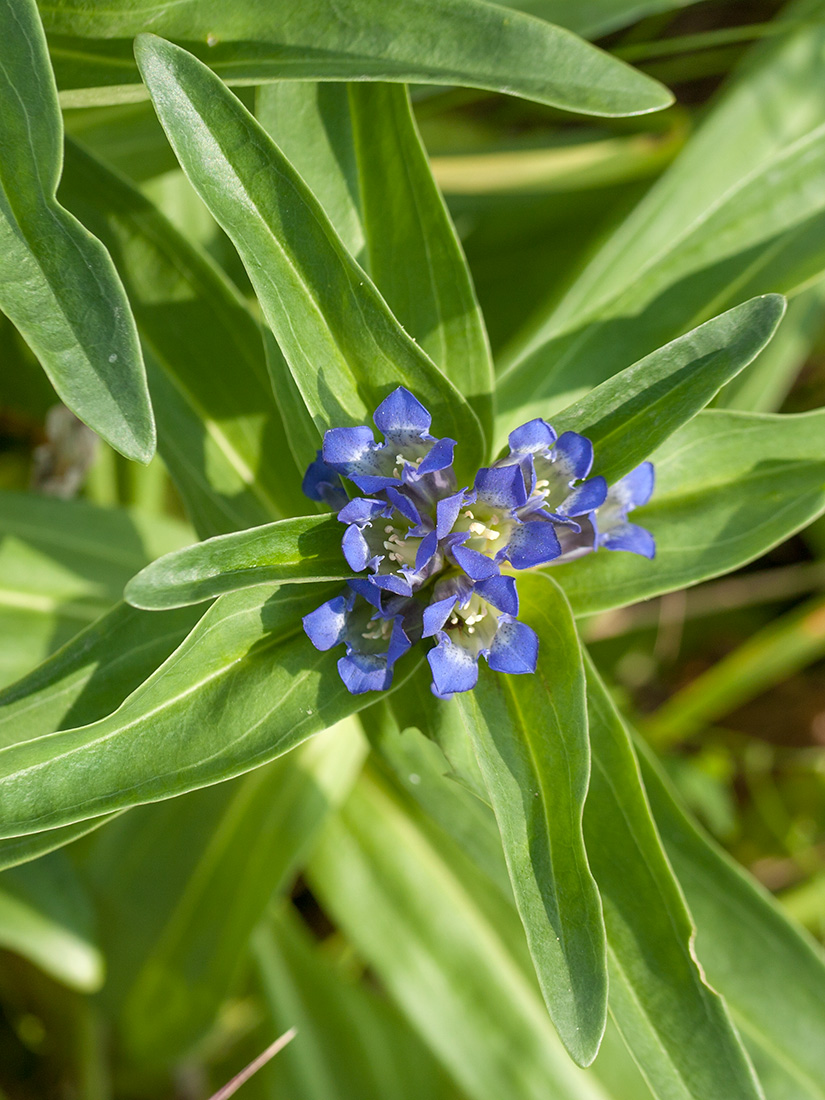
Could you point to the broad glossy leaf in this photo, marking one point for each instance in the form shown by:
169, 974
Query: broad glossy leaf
304, 549
771, 974
57, 282
351, 40
729, 486
530, 737
675, 1025
354, 1043
343, 346
220, 433
46, 916
209, 864
358, 149
633, 412
246, 661
450, 952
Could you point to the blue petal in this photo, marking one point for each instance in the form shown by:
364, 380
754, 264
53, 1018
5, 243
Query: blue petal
501, 592
453, 668
401, 412
356, 549
364, 587
629, 536
426, 551
436, 615
535, 435
501, 487
322, 483
573, 454
439, 457
399, 643
392, 582
364, 672
363, 510
404, 505
345, 448
326, 625
446, 513
586, 498
532, 543
475, 565
515, 648
635, 488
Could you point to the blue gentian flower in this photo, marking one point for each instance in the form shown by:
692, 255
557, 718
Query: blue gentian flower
431, 554
374, 639
471, 620
407, 453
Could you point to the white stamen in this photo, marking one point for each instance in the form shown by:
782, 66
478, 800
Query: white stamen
542, 484
388, 530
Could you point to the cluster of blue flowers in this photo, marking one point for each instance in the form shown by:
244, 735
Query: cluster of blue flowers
431, 554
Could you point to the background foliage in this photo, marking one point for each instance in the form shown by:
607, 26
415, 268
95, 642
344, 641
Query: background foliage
246, 228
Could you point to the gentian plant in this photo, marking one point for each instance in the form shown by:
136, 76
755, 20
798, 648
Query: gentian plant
323, 670
434, 553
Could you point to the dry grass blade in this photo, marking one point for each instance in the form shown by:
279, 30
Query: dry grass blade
232, 1086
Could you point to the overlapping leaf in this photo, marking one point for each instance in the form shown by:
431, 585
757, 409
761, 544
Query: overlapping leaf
304, 549
530, 737
343, 346
244, 687
630, 414
219, 429
426, 43
358, 149
57, 282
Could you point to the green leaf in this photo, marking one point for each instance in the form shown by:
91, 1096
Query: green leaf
359, 151
729, 486
675, 1025
450, 951
460, 42
25, 849
247, 660
306, 990
304, 549
768, 234
46, 916
633, 412
343, 346
766, 383
739, 213
594, 18
736, 139
219, 430
209, 864
63, 563
91, 675
771, 974
429, 290
58, 285
530, 737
